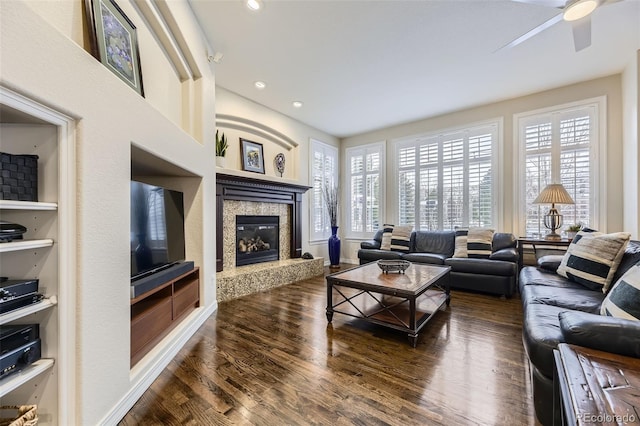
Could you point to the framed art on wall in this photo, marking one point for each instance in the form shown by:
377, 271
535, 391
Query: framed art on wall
252, 156
114, 41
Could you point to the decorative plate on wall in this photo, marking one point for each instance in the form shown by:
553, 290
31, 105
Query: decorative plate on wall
279, 163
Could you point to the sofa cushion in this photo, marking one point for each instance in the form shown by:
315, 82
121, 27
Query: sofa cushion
541, 334
479, 242
437, 242
482, 266
530, 275
504, 240
433, 258
623, 301
387, 232
578, 299
401, 238
592, 258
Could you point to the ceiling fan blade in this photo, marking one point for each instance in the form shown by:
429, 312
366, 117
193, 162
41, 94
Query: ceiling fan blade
582, 33
559, 4
537, 30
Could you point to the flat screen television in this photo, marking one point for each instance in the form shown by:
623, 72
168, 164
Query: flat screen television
157, 229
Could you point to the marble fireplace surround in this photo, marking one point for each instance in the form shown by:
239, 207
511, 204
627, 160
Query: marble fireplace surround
262, 197
254, 196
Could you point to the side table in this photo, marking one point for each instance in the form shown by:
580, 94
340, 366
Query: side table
596, 387
524, 241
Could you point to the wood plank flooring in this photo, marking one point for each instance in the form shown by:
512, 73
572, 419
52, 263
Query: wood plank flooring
271, 359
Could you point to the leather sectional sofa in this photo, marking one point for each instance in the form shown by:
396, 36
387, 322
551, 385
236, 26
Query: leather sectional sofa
496, 275
557, 310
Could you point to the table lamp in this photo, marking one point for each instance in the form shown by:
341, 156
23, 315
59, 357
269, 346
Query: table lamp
552, 194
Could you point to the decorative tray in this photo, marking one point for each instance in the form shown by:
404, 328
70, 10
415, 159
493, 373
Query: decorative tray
393, 265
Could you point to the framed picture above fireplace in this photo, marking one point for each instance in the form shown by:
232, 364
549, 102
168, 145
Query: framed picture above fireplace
252, 156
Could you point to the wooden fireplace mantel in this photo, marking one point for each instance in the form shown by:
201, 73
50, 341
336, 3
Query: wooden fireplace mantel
243, 188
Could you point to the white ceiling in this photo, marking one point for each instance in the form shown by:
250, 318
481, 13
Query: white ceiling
363, 65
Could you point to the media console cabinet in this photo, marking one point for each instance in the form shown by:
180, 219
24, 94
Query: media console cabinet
155, 313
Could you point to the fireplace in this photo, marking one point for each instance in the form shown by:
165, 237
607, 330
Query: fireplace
257, 239
257, 196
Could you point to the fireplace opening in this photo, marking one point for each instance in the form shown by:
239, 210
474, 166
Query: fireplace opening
257, 239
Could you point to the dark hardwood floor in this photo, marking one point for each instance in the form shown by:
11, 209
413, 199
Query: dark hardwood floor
270, 359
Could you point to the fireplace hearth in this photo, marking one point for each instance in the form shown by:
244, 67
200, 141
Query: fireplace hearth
257, 239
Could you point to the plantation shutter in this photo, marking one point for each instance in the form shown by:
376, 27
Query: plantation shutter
324, 172
557, 148
365, 205
453, 174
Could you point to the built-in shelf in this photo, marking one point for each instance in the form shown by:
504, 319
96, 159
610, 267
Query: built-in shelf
27, 205
18, 379
28, 310
25, 245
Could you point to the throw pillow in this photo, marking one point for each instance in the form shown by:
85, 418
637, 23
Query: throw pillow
460, 249
401, 238
479, 242
623, 301
592, 258
387, 232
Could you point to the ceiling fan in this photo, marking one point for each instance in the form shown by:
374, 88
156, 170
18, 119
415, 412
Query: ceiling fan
576, 12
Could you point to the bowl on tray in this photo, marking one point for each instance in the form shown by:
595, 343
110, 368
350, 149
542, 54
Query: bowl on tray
398, 266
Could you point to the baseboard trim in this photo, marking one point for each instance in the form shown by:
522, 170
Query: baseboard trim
149, 368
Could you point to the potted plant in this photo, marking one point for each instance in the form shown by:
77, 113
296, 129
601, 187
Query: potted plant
572, 230
330, 195
221, 149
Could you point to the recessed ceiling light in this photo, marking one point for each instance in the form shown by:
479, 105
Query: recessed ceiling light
297, 104
260, 85
254, 4
579, 9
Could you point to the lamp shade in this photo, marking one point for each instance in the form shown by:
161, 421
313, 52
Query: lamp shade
554, 193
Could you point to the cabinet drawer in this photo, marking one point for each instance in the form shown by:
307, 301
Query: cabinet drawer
149, 324
185, 298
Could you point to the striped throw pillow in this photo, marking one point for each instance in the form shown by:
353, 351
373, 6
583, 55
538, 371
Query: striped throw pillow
387, 232
460, 249
592, 258
401, 238
623, 301
479, 242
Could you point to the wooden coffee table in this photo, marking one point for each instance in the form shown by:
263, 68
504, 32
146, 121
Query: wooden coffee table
401, 301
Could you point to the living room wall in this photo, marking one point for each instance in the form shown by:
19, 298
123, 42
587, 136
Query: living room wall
44, 58
610, 86
631, 149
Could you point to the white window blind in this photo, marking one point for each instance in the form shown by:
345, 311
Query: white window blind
445, 180
364, 206
324, 172
558, 148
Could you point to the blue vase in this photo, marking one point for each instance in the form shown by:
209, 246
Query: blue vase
334, 247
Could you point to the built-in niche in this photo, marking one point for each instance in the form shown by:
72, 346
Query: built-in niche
158, 309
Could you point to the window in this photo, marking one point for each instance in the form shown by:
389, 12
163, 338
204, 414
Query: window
365, 201
446, 180
558, 145
324, 172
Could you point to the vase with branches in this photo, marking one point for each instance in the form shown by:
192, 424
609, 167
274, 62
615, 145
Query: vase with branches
330, 194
